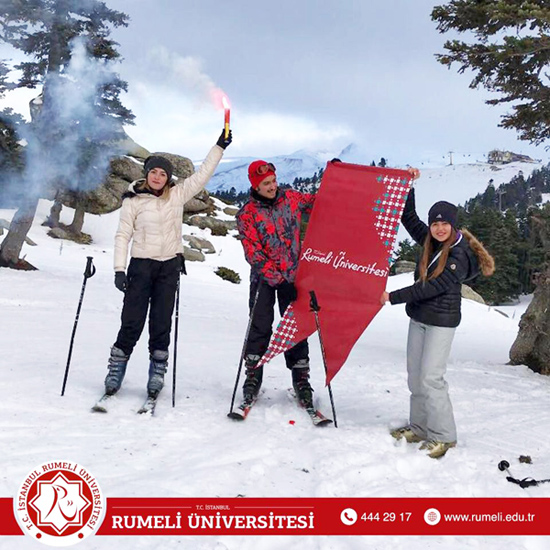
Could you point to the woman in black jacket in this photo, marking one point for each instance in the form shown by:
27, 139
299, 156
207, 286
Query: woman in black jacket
449, 258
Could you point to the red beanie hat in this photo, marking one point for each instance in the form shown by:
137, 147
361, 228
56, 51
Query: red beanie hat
258, 171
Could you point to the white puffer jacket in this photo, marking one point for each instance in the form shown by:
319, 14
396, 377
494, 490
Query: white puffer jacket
154, 223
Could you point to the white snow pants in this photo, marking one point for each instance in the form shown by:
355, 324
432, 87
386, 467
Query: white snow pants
431, 412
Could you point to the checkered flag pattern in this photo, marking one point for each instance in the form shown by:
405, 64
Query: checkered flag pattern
389, 208
284, 337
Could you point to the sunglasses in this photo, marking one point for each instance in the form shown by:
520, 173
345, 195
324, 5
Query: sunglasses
265, 168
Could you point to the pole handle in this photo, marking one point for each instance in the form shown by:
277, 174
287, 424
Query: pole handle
90, 267
313, 303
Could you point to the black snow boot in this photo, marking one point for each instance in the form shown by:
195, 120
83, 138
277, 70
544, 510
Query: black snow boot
254, 375
158, 365
117, 364
300, 383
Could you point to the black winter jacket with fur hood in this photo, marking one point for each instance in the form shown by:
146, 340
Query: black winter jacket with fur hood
437, 302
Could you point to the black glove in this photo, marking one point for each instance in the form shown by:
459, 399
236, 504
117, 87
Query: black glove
222, 141
288, 289
120, 281
181, 265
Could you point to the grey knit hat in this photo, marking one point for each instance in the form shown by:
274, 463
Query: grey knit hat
156, 161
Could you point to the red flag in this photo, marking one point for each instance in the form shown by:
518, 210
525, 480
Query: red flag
345, 259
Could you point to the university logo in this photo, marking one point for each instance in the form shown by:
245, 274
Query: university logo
59, 503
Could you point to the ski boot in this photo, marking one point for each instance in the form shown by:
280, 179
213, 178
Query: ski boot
406, 433
118, 361
300, 383
437, 449
158, 366
254, 376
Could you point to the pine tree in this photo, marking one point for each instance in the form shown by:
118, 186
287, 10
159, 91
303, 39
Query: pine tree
11, 158
501, 238
406, 251
509, 55
48, 32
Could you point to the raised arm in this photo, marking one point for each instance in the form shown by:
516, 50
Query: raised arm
195, 183
416, 228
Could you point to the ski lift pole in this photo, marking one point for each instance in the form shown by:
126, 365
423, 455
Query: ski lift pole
244, 346
314, 306
88, 272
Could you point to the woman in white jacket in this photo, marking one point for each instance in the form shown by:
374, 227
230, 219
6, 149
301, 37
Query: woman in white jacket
151, 217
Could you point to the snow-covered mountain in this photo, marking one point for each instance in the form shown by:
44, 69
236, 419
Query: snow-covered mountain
304, 163
455, 183
234, 172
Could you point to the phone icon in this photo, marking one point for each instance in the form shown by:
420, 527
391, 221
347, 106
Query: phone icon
348, 516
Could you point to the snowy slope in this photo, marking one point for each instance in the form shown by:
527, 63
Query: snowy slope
193, 450
455, 183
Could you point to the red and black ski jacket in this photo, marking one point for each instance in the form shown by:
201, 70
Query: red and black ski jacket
270, 234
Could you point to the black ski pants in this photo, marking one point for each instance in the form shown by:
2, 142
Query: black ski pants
150, 284
262, 322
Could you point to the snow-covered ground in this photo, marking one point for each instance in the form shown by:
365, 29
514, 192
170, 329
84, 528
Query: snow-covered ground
193, 450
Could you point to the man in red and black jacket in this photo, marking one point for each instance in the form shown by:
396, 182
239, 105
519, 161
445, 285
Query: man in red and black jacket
269, 228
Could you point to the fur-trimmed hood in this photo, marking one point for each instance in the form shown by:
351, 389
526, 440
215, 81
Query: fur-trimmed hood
485, 260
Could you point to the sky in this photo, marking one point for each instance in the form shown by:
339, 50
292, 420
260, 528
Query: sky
299, 75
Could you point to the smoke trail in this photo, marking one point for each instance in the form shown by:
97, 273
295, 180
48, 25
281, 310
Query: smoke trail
79, 139
187, 71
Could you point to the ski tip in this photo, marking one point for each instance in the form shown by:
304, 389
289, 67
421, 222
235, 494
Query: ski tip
146, 411
318, 418
101, 405
235, 416
324, 422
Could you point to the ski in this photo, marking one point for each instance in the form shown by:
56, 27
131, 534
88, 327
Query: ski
241, 412
315, 415
148, 406
102, 405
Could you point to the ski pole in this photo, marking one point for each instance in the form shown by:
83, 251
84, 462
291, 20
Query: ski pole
244, 347
182, 271
503, 466
176, 323
88, 272
314, 306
